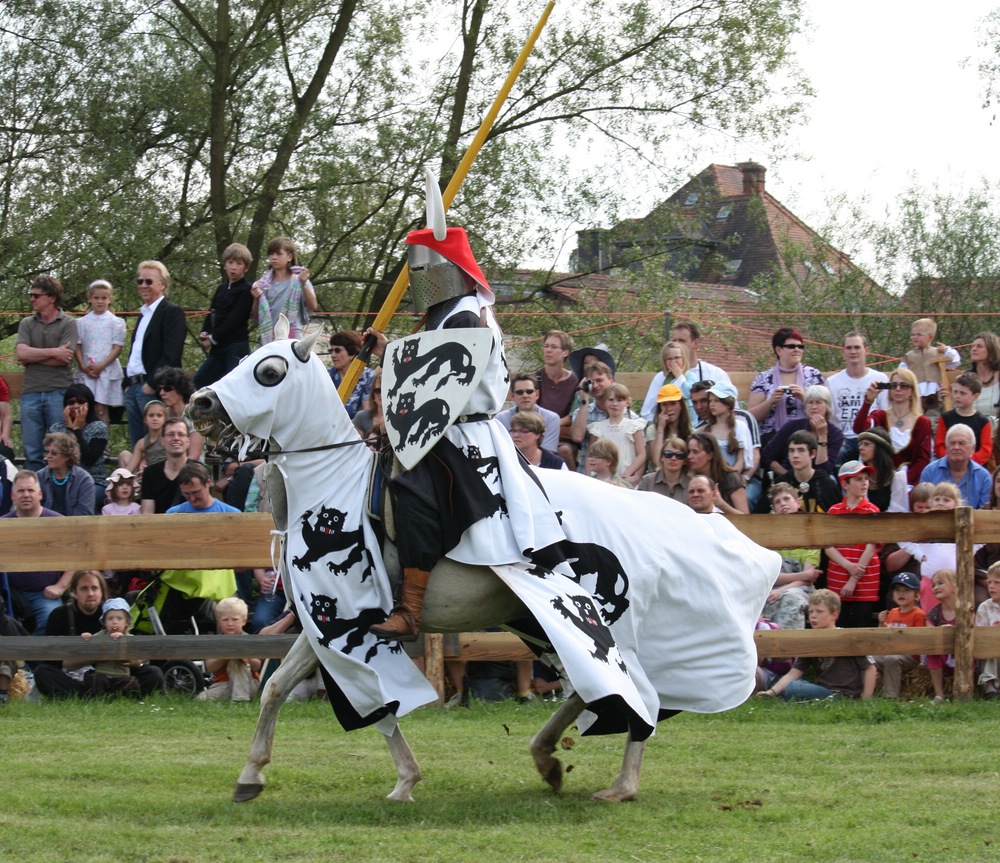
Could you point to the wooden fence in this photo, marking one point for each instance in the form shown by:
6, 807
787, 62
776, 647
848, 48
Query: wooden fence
243, 541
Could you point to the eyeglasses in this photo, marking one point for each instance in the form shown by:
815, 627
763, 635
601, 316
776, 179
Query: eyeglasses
52, 452
141, 282
674, 454
900, 385
524, 392
34, 295
166, 388
75, 400
176, 435
792, 346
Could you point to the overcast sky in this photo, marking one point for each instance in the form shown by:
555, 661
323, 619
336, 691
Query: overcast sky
893, 102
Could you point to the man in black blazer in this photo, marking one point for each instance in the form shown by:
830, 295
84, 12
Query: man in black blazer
158, 342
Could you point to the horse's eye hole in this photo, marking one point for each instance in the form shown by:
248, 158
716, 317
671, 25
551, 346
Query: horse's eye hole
270, 371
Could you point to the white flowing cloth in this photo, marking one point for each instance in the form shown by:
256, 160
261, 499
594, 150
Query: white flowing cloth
686, 637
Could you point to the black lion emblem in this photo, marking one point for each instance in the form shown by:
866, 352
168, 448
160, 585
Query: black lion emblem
327, 537
323, 611
418, 424
407, 363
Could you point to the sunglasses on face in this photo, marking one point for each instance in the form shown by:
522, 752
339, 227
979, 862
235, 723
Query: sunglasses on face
142, 282
524, 392
900, 385
166, 388
673, 454
34, 295
793, 346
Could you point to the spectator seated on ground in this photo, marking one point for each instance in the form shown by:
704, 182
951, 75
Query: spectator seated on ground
836, 677
235, 679
82, 614
109, 677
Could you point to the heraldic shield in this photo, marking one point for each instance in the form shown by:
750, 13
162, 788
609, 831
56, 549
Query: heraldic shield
427, 382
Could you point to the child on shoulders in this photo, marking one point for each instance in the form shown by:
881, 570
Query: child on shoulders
920, 360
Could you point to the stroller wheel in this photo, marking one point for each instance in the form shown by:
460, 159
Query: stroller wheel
183, 676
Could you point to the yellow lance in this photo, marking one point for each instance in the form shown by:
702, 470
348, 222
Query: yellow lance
392, 301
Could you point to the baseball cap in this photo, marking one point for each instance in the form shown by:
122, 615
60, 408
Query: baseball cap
853, 468
907, 579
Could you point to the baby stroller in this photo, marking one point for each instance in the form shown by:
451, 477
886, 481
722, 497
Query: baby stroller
181, 602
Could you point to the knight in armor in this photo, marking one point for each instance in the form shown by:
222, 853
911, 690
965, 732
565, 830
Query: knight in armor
470, 497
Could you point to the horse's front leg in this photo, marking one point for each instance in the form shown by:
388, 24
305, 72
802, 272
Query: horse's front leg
626, 786
297, 665
407, 769
543, 744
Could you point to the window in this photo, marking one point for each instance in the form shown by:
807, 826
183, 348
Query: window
724, 212
691, 199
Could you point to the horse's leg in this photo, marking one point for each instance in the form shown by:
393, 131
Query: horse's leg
626, 786
407, 769
298, 664
543, 744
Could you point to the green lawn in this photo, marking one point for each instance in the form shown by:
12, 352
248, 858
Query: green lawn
766, 782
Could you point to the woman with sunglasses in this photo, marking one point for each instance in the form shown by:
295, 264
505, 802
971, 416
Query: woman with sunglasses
175, 387
80, 420
671, 478
778, 394
705, 457
909, 430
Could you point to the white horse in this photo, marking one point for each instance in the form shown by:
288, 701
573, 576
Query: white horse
683, 590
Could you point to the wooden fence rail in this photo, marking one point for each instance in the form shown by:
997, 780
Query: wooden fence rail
244, 540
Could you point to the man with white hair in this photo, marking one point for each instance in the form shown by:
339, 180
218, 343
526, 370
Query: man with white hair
957, 466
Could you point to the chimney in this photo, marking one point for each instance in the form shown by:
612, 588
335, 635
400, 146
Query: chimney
753, 178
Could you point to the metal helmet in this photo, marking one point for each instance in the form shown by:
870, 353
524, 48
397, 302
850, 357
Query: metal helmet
435, 278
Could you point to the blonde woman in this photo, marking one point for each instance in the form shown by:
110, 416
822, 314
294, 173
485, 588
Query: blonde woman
908, 428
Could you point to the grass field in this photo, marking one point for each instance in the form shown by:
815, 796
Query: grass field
766, 782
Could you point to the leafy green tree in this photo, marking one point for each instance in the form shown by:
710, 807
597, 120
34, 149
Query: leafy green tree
169, 128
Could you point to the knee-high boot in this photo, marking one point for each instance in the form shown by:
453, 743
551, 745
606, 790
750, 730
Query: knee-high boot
404, 622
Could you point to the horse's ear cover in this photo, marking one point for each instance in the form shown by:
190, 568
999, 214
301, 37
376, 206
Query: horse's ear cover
303, 347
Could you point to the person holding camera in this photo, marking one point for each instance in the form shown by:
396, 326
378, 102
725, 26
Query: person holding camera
778, 394
591, 397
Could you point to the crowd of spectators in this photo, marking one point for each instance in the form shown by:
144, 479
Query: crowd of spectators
861, 440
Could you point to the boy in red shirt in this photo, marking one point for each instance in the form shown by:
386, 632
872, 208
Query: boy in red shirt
905, 593
853, 570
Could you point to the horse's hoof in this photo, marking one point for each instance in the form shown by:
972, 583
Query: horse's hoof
400, 797
247, 791
553, 774
610, 795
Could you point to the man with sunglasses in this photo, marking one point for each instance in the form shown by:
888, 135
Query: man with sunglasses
46, 342
525, 392
157, 342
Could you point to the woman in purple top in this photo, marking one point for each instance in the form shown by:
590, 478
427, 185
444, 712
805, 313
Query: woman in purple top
778, 394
